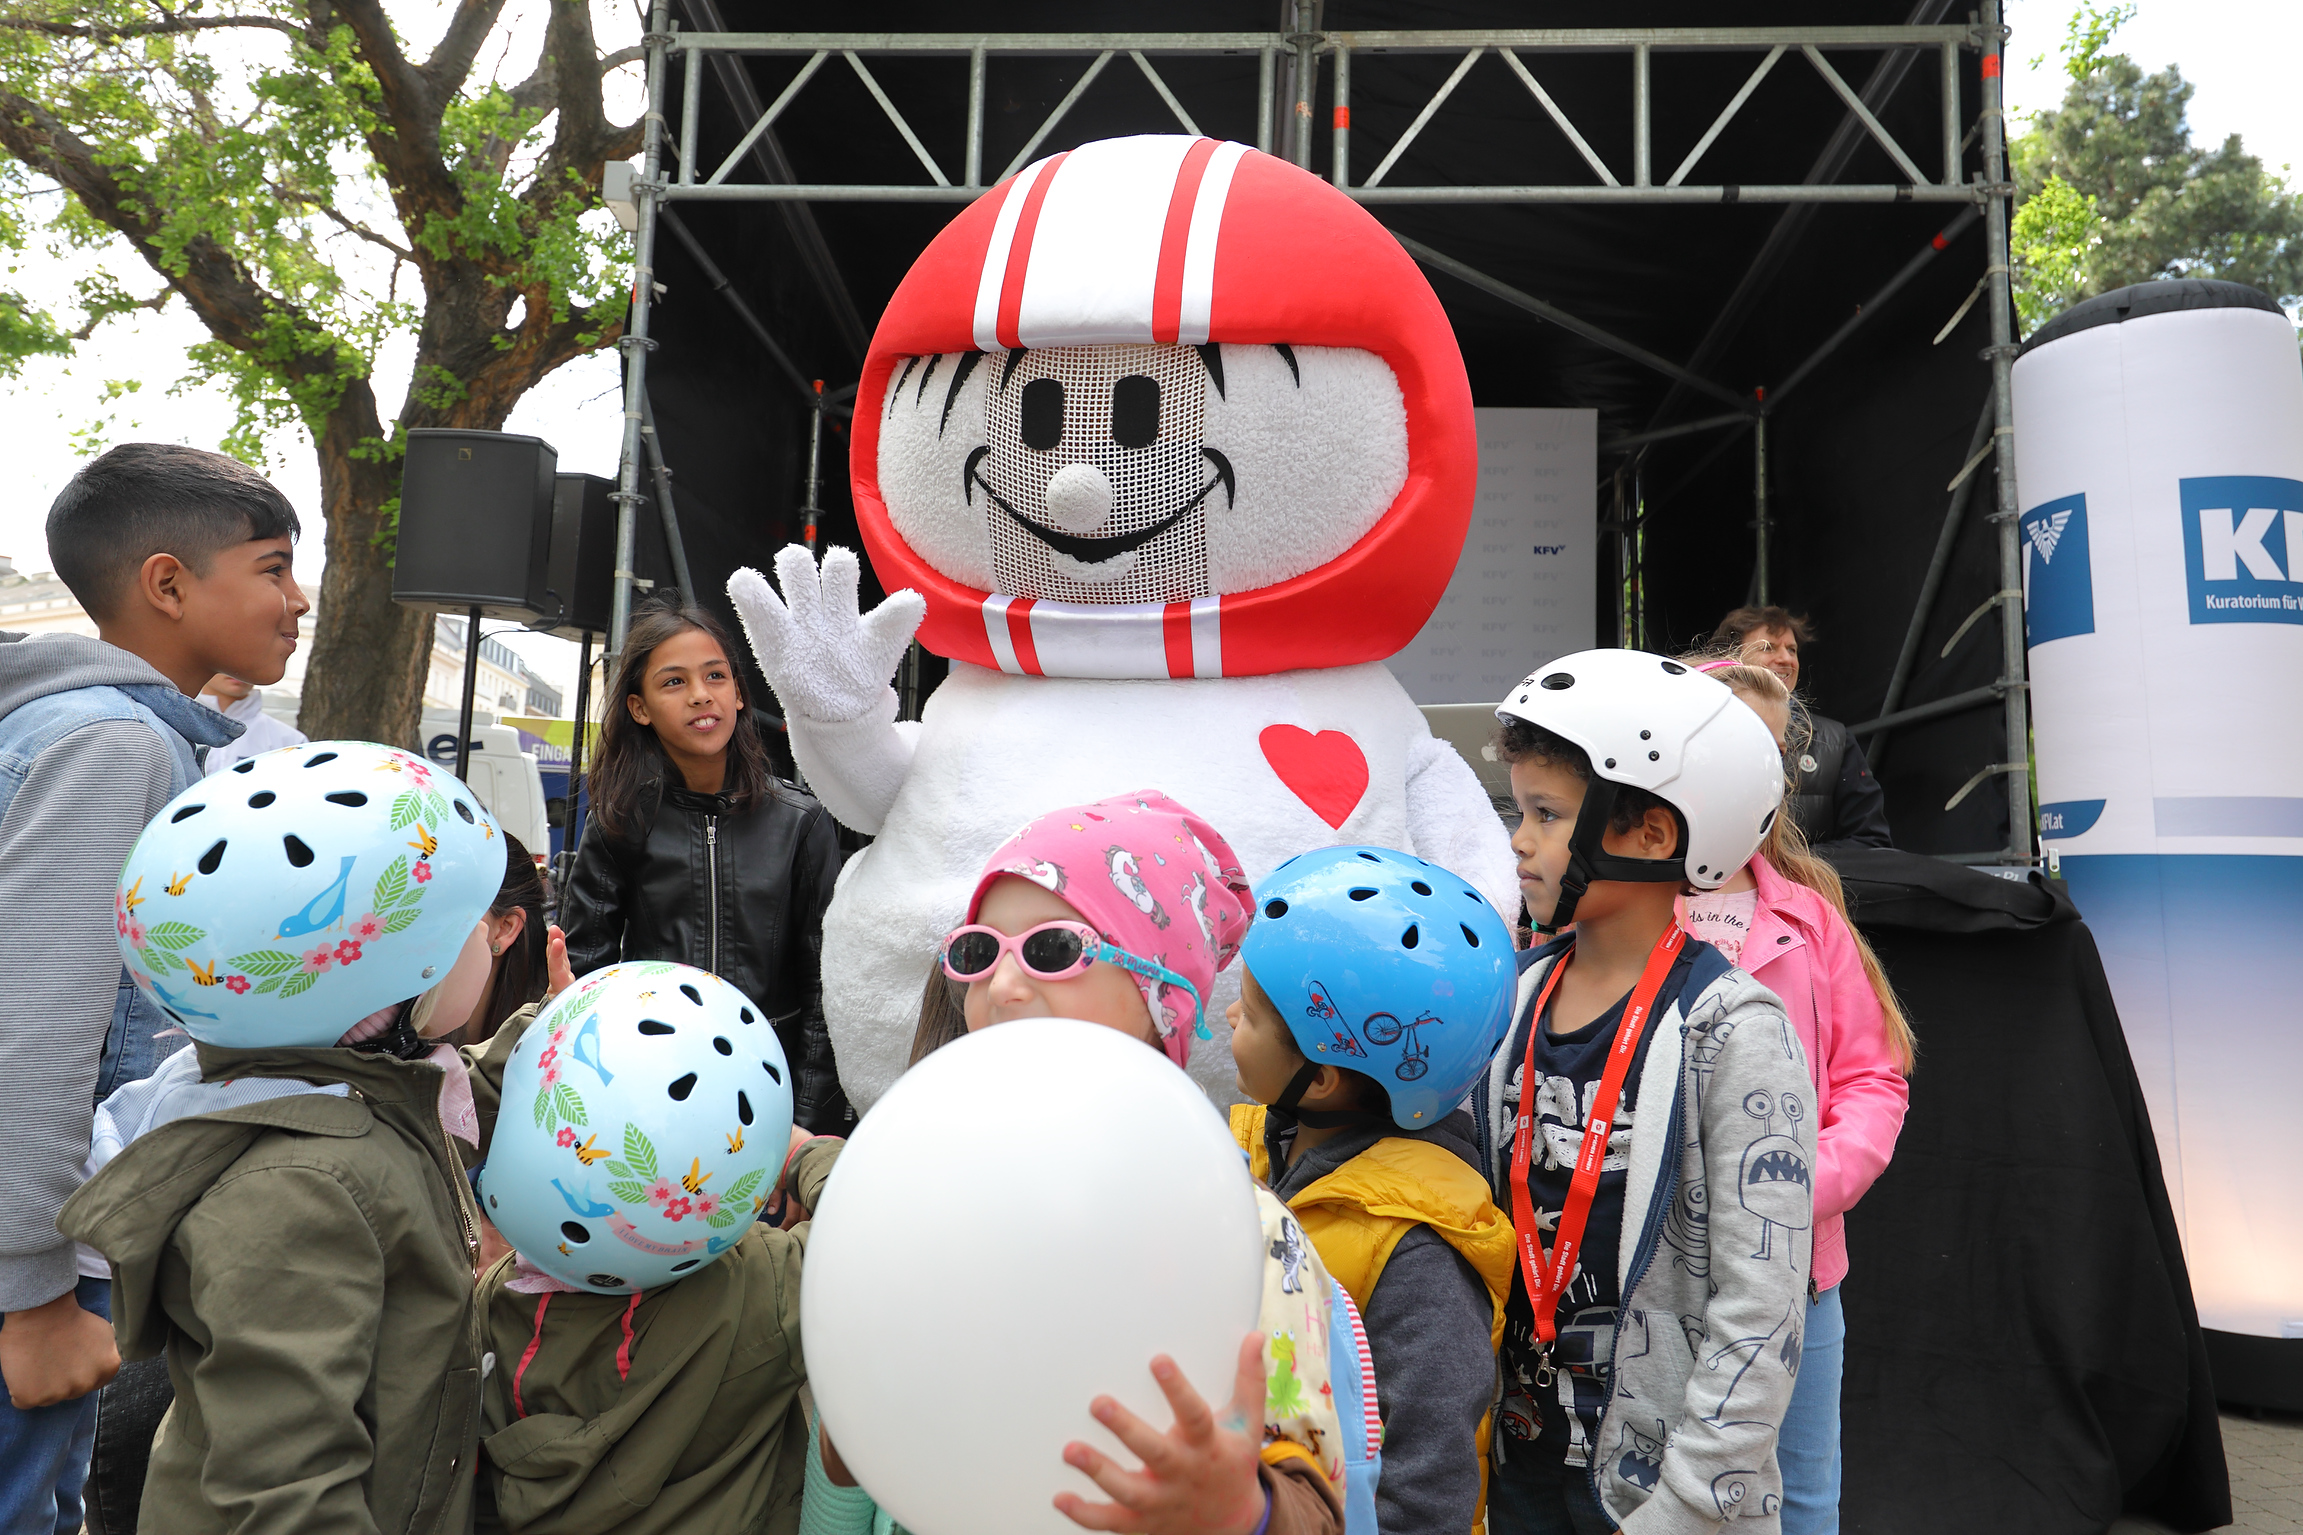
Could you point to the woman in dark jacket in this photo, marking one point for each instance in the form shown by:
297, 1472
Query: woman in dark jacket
695, 851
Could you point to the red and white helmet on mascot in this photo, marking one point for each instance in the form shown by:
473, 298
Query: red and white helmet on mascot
1117, 327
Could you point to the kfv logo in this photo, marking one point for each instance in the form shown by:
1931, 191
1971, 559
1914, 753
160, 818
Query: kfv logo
2058, 584
2243, 549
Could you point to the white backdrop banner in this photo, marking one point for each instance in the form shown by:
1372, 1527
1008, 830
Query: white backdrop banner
1522, 591
2160, 462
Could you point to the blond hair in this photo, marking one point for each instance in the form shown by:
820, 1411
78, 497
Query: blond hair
1786, 851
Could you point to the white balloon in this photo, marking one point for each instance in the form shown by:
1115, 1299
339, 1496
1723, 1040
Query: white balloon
1017, 1227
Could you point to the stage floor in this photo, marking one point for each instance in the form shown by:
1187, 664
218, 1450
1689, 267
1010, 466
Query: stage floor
2266, 1458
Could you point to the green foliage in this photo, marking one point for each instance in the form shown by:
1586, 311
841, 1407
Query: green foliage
2054, 233
2114, 191
2086, 35
256, 164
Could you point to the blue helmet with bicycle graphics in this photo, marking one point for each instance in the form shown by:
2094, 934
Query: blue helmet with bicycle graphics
646, 1114
1388, 965
283, 900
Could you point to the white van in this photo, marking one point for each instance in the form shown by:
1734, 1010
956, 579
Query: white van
503, 776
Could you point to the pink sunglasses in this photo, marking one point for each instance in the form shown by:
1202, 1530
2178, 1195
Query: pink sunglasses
1052, 951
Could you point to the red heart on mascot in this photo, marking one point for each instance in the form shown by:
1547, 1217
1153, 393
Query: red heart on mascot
1327, 771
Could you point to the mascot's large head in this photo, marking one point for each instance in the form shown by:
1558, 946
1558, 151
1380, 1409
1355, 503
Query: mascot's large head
1165, 407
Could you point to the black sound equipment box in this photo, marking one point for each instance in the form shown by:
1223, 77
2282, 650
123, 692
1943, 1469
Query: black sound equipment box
476, 514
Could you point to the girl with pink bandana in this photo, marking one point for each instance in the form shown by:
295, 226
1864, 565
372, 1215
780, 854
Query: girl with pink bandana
1120, 913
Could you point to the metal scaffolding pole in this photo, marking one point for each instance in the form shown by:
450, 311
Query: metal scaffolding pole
1760, 587
1999, 196
635, 343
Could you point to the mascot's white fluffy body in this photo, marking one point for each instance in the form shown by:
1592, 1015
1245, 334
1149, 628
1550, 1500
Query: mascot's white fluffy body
1158, 556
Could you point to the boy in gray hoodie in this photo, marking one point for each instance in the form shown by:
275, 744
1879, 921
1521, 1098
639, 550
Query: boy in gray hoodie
184, 559
1647, 1122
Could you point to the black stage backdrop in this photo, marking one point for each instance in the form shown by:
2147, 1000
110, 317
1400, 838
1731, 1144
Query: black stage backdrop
1860, 452
2022, 1350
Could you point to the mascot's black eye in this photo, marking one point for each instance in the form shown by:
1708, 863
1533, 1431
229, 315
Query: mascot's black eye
1135, 411
1040, 415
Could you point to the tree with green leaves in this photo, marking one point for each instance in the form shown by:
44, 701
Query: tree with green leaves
2114, 192
313, 190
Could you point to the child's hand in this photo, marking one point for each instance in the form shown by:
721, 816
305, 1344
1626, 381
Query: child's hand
787, 1211
558, 976
1199, 1478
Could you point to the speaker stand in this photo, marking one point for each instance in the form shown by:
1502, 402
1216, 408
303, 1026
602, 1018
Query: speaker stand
471, 681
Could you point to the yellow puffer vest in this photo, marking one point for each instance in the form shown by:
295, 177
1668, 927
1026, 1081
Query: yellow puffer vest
1356, 1215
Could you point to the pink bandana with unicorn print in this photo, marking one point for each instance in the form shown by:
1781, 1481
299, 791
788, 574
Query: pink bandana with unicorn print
1153, 879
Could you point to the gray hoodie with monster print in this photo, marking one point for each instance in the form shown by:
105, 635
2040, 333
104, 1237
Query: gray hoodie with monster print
1708, 1341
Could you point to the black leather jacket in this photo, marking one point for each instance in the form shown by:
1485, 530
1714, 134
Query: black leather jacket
1834, 799
739, 894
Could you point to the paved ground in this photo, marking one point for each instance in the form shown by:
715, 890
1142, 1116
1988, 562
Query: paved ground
2266, 1457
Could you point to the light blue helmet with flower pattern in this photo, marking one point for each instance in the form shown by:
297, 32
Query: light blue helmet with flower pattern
287, 898
646, 1113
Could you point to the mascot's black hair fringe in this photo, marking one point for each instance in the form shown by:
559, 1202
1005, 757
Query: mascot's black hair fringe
967, 365
931, 373
1212, 355
897, 393
1008, 368
1287, 355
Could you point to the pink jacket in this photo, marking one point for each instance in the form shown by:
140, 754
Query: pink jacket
1800, 949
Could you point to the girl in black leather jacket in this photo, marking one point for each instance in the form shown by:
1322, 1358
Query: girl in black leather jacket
695, 851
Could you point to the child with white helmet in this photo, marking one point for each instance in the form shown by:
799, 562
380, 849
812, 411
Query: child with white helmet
283, 1205
646, 1325
1647, 1120
1377, 987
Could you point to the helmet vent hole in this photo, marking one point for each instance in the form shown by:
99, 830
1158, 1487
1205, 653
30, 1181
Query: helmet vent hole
262, 799
1647, 735
351, 799
1419, 887
723, 1047
681, 1087
298, 854
317, 760
1472, 895
1558, 682
213, 859
1411, 937
492, 1203
1371, 858
1469, 936
1655, 756
186, 813
1275, 908
245, 765
743, 1108
465, 811
574, 1232
1702, 868
1673, 668
691, 994
654, 1026
686, 1264
1365, 893
744, 1013
1611, 762
1767, 822
774, 1075
605, 1281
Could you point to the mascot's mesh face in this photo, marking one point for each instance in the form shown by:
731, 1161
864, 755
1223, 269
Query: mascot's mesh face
1138, 473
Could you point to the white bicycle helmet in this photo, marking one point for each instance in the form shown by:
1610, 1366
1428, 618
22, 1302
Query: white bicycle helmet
645, 1118
1654, 724
287, 898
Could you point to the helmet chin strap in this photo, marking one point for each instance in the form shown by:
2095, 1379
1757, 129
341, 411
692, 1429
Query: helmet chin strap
1286, 1112
1588, 860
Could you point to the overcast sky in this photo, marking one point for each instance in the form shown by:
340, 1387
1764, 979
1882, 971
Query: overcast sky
2238, 53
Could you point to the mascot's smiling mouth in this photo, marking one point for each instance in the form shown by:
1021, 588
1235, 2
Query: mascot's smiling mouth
1087, 549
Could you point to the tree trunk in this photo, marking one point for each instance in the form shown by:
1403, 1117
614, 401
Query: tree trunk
365, 677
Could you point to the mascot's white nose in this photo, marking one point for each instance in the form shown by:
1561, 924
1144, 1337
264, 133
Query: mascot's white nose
1079, 498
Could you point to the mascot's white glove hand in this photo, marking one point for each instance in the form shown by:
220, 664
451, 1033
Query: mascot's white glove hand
827, 660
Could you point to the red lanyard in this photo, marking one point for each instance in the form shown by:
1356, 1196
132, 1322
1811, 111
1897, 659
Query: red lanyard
1545, 1281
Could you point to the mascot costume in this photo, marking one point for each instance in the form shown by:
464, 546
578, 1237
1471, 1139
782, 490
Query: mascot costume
1166, 445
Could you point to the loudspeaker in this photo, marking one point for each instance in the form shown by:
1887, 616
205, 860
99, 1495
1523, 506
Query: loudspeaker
476, 523
583, 562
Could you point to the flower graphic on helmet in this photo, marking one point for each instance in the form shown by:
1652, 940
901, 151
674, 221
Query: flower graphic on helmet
707, 1206
566, 1137
421, 873
237, 985
367, 928
316, 961
347, 951
661, 1192
678, 1209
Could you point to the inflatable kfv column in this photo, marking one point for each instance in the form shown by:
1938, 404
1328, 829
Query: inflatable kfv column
2159, 451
